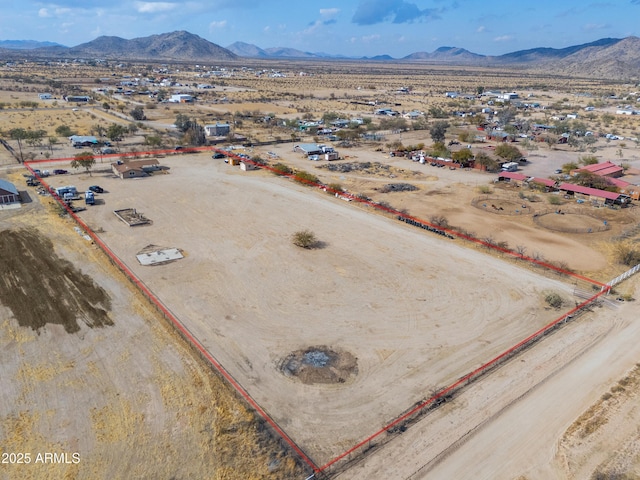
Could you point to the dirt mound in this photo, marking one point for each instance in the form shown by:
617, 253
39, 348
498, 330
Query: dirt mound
40, 288
320, 365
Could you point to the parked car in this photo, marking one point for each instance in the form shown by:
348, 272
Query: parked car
60, 171
219, 155
96, 189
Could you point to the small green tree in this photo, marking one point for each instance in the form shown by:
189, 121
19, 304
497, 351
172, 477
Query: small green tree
84, 160
64, 130
484, 160
306, 178
282, 169
568, 167
553, 299
588, 160
305, 239
52, 142
137, 113
153, 140
115, 132
463, 157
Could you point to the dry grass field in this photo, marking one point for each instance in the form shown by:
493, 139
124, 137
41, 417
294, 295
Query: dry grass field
90, 369
333, 342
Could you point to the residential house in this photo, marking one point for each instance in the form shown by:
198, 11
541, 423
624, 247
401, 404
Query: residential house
135, 168
77, 98
8, 192
217, 130
79, 141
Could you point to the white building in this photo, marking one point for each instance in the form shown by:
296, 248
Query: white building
181, 98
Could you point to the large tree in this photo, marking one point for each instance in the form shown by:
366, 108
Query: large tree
84, 160
183, 122
19, 134
508, 152
486, 161
438, 131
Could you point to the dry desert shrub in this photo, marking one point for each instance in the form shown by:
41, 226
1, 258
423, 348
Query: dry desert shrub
305, 239
626, 253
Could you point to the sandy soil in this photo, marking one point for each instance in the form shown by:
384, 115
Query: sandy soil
517, 422
447, 193
252, 298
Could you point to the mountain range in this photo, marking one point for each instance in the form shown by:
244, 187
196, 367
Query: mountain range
612, 58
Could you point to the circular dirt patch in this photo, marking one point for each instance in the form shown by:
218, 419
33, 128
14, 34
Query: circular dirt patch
571, 222
502, 206
320, 365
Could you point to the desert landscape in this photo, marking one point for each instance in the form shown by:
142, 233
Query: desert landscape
247, 356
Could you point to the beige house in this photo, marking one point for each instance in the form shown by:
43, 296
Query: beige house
135, 168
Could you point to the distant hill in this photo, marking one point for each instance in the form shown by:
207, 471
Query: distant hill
180, 45
283, 52
379, 58
243, 49
447, 54
545, 54
175, 46
620, 60
604, 58
26, 44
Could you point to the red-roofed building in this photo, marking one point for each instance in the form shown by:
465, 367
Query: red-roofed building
593, 194
512, 177
548, 183
606, 169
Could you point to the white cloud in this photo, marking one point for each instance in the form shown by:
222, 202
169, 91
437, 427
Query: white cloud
329, 12
154, 7
481, 29
595, 26
44, 13
370, 38
217, 25
503, 38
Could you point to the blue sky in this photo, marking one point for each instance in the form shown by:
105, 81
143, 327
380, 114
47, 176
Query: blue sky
347, 27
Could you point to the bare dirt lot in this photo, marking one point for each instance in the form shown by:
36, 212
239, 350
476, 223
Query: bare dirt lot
385, 292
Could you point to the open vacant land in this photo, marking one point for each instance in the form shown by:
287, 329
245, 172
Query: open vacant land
416, 310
